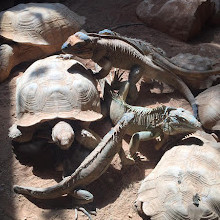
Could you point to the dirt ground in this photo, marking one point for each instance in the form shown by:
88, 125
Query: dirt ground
117, 189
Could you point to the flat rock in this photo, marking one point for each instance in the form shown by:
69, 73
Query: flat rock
179, 18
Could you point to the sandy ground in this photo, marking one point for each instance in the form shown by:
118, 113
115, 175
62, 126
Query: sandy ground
117, 189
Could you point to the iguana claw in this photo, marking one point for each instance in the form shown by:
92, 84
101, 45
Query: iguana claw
88, 214
129, 160
117, 79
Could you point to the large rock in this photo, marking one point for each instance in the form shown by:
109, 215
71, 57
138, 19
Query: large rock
216, 17
182, 19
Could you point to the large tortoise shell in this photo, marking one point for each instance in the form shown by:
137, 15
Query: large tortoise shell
39, 23
55, 88
185, 184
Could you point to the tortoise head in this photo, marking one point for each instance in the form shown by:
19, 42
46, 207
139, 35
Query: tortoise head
63, 135
79, 44
180, 121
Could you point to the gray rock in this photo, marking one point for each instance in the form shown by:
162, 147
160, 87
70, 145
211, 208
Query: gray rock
179, 18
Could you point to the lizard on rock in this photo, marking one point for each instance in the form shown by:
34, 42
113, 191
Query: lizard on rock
148, 123
113, 51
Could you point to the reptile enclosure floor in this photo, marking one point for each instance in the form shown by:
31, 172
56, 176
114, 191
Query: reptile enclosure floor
116, 190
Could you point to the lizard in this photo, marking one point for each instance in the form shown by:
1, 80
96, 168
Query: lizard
113, 51
148, 123
159, 58
93, 166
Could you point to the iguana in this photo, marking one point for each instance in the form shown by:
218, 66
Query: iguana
94, 165
112, 51
159, 58
148, 123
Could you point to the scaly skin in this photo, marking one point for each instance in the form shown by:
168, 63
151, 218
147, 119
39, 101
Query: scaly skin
90, 169
158, 56
149, 123
113, 51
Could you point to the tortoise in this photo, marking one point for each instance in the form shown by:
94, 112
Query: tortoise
208, 103
185, 184
32, 31
53, 97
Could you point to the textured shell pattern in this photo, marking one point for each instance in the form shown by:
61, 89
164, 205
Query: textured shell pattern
39, 23
55, 88
184, 172
209, 107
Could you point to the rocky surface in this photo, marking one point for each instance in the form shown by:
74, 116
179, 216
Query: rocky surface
179, 18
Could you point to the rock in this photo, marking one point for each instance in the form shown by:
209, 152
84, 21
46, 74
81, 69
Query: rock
216, 17
193, 62
179, 18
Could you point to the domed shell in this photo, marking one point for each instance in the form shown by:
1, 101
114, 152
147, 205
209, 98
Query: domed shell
55, 88
209, 107
39, 23
185, 184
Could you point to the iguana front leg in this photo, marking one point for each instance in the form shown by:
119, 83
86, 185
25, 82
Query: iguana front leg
106, 65
141, 136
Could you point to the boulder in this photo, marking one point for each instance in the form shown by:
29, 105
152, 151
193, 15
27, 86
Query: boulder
182, 19
216, 17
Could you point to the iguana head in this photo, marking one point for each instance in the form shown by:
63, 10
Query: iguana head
79, 44
180, 121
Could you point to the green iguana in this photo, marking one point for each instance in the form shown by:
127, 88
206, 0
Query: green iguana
94, 165
148, 123
113, 51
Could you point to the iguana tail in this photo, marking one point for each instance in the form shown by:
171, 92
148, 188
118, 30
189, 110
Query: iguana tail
165, 62
62, 188
168, 77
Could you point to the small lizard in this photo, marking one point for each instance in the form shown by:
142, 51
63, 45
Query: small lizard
148, 123
113, 51
94, 165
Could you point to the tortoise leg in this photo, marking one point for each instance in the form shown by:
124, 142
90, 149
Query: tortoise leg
87, 138
21, 134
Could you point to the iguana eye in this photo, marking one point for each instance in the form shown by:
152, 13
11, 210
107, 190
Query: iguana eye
78, 45
183, 119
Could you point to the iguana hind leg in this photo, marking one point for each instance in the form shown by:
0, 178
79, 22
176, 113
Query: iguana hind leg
127, 89
81, 197
134, 76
